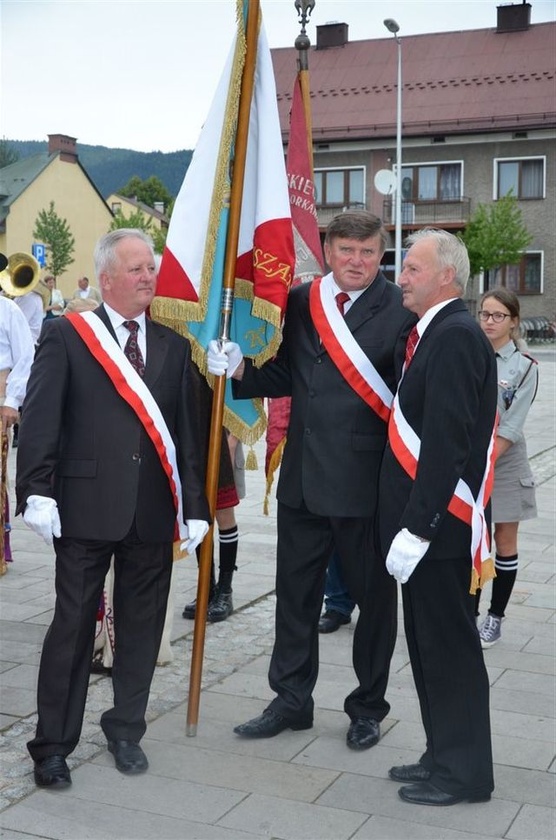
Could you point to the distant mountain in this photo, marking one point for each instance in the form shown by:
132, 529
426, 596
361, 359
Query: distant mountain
111, 169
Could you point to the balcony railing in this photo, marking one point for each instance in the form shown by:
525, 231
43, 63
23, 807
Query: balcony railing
326, 214
427, 212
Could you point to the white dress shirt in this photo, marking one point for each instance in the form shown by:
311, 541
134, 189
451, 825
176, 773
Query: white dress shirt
16, 351
122, 333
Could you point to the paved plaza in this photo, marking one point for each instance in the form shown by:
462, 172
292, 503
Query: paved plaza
300, 785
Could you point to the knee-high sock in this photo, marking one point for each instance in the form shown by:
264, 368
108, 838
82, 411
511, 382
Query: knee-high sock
228, 540
212, 574
503, 583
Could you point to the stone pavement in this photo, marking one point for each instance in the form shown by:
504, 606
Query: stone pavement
300, 785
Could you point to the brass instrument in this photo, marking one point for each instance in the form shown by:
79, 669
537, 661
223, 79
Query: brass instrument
22, 275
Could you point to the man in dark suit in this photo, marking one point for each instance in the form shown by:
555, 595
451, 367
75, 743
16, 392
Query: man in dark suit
108, 465
432, 496
340, 373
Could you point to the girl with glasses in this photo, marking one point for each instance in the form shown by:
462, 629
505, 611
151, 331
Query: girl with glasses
513, 495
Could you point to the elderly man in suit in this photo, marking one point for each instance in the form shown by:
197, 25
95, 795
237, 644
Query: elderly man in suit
433, 493
108, 465
340, 369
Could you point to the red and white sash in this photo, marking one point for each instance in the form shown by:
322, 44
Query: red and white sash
133, 390
406, 446
345, 352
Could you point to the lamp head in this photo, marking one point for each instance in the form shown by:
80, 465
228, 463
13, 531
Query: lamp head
392, 25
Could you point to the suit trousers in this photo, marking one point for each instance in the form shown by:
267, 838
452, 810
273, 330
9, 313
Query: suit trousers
450, 675
305, 544
142, 581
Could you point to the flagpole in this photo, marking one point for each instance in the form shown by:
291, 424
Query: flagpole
217, 416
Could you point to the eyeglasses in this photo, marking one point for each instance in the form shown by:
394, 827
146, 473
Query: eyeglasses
497, 317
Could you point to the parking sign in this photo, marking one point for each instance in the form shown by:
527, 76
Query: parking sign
39, 252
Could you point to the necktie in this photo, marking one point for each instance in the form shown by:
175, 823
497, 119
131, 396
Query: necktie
132, 350
412, 341
341, 299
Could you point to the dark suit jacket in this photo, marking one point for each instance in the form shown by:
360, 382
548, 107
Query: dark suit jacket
335, 440
81, 443
448, 396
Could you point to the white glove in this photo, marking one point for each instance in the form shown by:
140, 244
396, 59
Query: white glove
41, 515
405, 553
197, 530
225, 359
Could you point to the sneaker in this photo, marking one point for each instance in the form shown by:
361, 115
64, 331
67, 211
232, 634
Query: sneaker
490, 631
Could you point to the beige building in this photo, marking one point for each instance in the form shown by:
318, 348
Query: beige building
129, 206
28, 186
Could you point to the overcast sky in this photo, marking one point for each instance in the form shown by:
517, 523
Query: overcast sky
140, 74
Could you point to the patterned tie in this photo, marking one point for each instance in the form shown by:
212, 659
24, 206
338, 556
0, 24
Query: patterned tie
341, 299
132, 350
412, 341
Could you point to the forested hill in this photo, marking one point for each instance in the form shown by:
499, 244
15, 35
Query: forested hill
111, 169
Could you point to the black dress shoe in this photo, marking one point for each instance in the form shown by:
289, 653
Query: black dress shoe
129, 756
270, 724
409, 773
332, 620
52, 772
424, 793
363, 733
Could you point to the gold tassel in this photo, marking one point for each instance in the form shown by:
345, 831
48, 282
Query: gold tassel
488, 572
251, 460
177, 553
274, 463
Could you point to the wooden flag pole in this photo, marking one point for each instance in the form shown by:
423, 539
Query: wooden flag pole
215, 440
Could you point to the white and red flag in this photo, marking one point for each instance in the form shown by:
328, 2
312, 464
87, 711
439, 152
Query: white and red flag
190, 281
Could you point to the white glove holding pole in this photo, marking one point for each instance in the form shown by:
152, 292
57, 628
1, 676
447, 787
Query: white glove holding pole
225, 359
197, 530
405, 553
41, 515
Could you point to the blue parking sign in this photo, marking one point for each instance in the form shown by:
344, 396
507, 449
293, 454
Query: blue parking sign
39, 252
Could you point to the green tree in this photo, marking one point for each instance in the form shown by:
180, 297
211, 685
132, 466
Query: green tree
496, 235
134, 220
56, 234
159, 239
148, 192
137, 220
8, 154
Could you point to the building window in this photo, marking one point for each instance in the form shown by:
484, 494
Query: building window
116, 206
340, 187
524, 178
432, 181
524, 278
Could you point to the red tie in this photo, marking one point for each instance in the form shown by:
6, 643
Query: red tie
132, 350
412, 341
341, 299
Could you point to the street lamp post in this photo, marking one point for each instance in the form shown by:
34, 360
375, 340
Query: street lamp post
393, 27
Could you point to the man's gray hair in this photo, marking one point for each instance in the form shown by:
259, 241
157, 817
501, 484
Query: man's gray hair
104, 254
450, 252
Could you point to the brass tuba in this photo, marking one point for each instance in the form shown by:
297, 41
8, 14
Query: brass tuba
21, 275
